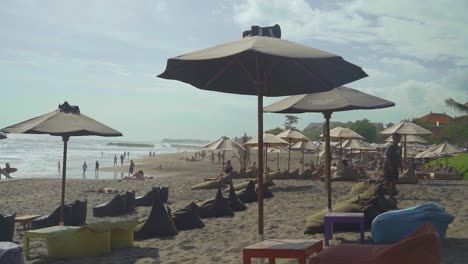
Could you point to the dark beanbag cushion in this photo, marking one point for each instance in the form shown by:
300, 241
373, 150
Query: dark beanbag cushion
217, 207
164, 194
116, 207
158, 224
266, 192
234, 202
79, 211
149, 197
7, 227
248, 194
130, 201
294, 175
307, 174
52, 219
188, 218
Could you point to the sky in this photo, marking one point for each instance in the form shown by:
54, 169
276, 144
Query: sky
104, 57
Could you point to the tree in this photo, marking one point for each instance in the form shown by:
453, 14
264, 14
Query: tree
457, 106
275, 131
290, 121
365, 129
389, 125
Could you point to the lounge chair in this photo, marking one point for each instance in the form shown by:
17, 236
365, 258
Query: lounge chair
117, 206
187, 218
11, 253
420, 246
74, 215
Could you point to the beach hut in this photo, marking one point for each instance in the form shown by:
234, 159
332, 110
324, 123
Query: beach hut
67, 121
339, 99
262, 66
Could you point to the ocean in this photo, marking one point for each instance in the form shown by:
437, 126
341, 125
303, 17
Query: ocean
37, 156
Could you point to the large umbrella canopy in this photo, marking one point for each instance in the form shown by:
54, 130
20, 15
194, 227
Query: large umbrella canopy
409, 139
303, 146
262, 66
355, 144
269, 141
443, 149
405, 128
2, 135
324, 103
343, 133
292, 137
224, 143
66, 121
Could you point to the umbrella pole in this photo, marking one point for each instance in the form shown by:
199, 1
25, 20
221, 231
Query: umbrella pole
266, 160
404, 159
327, 180
260, 157
289, 156
64, 172
341, 150
446, 160
303, 161
277, 162
222, 165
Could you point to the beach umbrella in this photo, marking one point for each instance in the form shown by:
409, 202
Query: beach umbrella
409, 139
268, 141
339, 99
66, 121
444, 149
2, 135
277, 150
262, 66
292, 137
303, 146
224, 143
360, 145
405, 128
343, 133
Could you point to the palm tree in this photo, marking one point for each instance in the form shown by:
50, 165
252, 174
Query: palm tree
456, 105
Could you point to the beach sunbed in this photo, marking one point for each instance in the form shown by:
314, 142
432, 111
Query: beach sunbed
7, 227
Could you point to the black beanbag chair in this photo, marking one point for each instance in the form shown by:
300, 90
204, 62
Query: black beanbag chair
74, 215
187, 218
164, 194
148, 198
234, 202
158, 224
130, 201
266, 192
248, 195
117, 206
217, 207
7, 227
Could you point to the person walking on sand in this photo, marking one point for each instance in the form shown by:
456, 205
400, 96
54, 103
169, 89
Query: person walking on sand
84, 167
392, 164
115, 160
121, 159
96, 170
132, 167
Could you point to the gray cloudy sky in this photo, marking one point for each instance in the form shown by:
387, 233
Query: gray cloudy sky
104, 56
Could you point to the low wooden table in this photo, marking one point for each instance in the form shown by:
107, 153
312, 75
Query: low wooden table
300, 249
332, 217
25, 220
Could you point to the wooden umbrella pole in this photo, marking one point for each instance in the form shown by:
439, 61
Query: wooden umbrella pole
303, 161
404, 146
277, 162
260, 87
64, 172
341, 150
222, 165
289, 155
266, 160
327, 116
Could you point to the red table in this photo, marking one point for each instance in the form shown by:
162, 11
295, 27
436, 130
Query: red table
300, 249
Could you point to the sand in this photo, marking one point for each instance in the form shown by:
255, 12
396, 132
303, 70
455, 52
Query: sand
222, 240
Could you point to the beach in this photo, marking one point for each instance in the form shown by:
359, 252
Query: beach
222, 239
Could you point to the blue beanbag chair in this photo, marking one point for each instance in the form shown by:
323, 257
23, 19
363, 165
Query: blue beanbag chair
394, 226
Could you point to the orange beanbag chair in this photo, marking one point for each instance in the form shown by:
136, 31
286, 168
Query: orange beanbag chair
421, 246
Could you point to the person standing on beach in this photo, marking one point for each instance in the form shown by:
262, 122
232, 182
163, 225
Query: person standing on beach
84, 167
96, 170
115, 160
58, 165
132, 167
392, 164
121, 159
